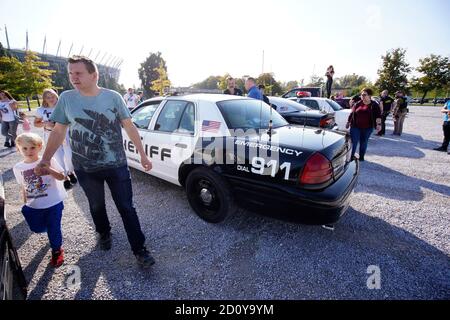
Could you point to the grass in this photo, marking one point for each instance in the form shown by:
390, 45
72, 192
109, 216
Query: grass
24, 105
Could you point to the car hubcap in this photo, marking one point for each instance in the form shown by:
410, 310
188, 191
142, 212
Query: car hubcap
206, 196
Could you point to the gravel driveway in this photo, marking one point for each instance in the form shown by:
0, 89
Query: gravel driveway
398, 221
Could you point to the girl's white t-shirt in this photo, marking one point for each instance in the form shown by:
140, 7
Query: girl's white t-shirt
41, 191
7, 111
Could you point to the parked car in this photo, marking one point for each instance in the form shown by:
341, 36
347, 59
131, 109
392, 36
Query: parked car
344, 102
227, 150
294, 93
13, 285
328, 106
297, 113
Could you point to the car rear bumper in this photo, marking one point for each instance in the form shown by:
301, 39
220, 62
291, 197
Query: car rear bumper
304, 206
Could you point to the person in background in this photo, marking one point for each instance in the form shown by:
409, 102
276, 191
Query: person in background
231, 87
26, 127
141, 96
131, 99
43, 196
386, 107
252, 89
446, 128
364, 117
8, 110
399, 112
353, 100
63, 154
329, 74
261, 88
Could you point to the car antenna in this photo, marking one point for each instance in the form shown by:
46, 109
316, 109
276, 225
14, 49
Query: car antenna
270, 123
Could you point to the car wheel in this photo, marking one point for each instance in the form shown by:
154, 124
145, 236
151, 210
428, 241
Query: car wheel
209, 195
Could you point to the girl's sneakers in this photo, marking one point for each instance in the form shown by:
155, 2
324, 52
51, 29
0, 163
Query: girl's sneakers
57, 258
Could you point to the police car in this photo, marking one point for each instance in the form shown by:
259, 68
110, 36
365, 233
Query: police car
227, 150
13, 285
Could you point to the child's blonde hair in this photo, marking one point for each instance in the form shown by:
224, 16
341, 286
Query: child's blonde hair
46, 93
31, 138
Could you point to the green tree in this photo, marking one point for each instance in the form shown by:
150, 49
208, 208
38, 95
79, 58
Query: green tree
36, 77
210, 83
349, 81
367, 84
11, 76
392, 75
316, 81
436, 74
287, 86
272, 86
148, 72
161, 84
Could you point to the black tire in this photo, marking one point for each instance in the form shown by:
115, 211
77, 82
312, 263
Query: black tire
209, 195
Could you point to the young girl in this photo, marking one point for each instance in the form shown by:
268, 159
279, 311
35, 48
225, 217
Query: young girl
64, 154
43, 195
8, 109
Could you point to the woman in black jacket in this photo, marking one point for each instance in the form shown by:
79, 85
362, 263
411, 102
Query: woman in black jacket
365, 116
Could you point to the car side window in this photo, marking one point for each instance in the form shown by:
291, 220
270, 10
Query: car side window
187, 122
142, 116
170, 116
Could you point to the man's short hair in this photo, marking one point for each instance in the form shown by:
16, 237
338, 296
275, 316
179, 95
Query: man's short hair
251, 79
229, 78
90, 65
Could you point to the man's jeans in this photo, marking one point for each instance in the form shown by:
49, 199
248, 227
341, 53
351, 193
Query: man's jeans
446, 129
119, 182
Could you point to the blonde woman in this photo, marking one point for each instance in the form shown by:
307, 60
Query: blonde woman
64, 153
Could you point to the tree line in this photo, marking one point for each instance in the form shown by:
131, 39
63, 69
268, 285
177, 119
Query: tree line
434, 76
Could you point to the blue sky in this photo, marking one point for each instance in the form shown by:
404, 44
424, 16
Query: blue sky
199, 38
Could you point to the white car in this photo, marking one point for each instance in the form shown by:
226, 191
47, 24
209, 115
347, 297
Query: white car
329, 106
227, 149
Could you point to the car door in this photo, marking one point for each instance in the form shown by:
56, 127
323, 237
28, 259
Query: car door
173, 137
141, 118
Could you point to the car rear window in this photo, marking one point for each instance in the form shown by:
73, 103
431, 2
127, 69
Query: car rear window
249, 114
334, 105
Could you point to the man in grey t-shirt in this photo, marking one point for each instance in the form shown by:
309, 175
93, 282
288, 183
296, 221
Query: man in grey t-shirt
95, 117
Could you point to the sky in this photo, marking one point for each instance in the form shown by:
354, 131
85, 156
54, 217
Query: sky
200, 38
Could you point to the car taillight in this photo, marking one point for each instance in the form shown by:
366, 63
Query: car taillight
325, 122
317, 170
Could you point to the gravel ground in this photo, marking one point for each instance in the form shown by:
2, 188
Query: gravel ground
399, 221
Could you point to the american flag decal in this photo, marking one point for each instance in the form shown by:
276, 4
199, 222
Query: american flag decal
210, 126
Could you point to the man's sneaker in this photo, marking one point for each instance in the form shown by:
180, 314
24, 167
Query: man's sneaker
12, 144
105, 241
440, 149
72, 178
7, 145
144, 258
67, 185
57, 258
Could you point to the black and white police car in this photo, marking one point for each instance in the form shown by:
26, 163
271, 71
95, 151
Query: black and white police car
226, 149
13, 285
